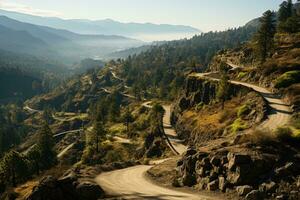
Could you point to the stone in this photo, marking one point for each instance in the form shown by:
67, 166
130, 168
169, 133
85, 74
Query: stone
244, 190
189, 180
281, 197
213, 186
285, 170
224, 160
222, 183
203, 183
205, 163
237, 159
88, 190
242, 175
215, 161
254, 195
268, 187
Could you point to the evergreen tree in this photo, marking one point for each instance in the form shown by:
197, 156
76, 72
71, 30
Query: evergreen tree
127, 119
223, 87
99, 134
265, 35
46, 147
13, 167
34, 156
285, 11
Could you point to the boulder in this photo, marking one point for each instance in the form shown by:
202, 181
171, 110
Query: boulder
88, 190
268, 187
65, 188
222, 183
244, 190
213, 186
203, 183
254, 195
237, 159
215, 161
286, 170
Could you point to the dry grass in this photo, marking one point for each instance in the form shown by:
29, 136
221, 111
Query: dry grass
25, 190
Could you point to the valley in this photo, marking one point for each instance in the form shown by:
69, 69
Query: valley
214, 116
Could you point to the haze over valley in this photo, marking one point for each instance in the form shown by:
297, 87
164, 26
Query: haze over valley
116, 100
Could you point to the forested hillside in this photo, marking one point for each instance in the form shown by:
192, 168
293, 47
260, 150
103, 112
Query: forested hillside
162, 68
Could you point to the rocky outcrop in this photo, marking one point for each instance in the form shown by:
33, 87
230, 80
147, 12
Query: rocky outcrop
66, 188
202, 91
251, 173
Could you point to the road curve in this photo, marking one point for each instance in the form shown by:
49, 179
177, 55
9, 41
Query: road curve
280, 113
131, 183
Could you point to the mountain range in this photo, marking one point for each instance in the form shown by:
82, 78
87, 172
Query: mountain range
143, 31
21, 37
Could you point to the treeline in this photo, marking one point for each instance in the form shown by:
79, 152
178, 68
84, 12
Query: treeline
18, 167
12, 129
18, 84
159, 72
286, 21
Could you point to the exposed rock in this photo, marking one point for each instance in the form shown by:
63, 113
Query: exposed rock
244, 190
88, 190
254, 195
268, 187
237, 159
65, 188
286, 170
215, 161
222, 184
213, 186
282, 197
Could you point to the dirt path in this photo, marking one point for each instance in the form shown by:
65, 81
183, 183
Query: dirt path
132, 183
279, 114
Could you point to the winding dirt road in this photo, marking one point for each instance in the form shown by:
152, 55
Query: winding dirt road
132, 183
279, 114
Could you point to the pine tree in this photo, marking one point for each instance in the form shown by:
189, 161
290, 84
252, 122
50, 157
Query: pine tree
99, 134
13, 167
223, 87
127, 118
285, 11
46, 147
265, 35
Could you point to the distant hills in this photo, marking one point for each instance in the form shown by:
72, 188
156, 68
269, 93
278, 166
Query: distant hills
141, 31
26, 38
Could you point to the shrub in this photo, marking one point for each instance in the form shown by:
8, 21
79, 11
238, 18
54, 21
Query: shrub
238, 125
287, 79
113, 156
284, 133
243, 110
241, 75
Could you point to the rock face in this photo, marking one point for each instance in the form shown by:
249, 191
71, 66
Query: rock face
65, 188
252, 174
202, 91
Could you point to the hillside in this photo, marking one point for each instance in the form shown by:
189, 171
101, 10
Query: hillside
216, 116
58, 44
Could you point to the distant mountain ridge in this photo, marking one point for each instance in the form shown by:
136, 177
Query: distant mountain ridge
21, 37
104, 27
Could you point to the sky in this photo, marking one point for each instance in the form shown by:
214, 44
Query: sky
206, 15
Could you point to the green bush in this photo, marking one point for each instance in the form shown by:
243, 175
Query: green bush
284, 133
287, 79
244, 110
242, 75
238, 125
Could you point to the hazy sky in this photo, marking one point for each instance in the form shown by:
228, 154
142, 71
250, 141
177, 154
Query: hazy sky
203, 14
